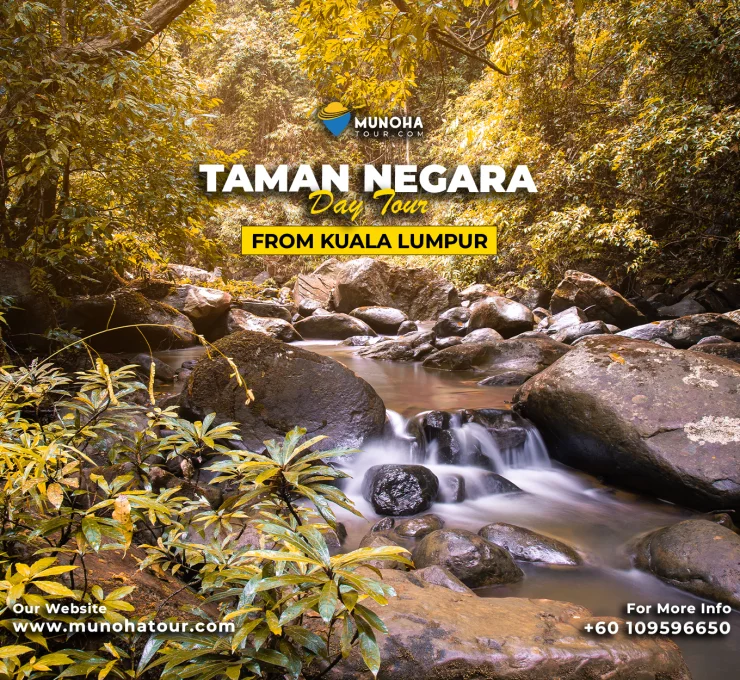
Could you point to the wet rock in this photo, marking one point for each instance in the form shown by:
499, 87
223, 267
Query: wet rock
162, 372
381, 319
151, 325
508, 429
451, 489
662, 343
383, 525
452, 322
472, 559
418, 527
494, 484
729, 290
265, 308
506, 379
476, 292
685, 307
313, 291
307, 306
194, 274
203, 306
661, 421
378, 540
695, 555
540, 314
239, 320
657, 330
727, 350
573, 333
332, 327
536, 297
598, 301
407, 327
688, 330
439, 576
529, 355
529, 546
361, 340
438, 634
400, 489
410, 347
503, 315
444, 343
712, 339
487, 335
291, 386
573, 316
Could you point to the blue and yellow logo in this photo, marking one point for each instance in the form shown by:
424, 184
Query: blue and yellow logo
336, 117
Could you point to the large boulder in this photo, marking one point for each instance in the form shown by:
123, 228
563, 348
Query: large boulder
266, 308
554, 323
400, 489
384, 320
475, 561
409, 347
503, 315
697, 555
31, 313
453, 322
487, 335
291, 386
418, 292
436, 633
685, 307
238, 320
140, 324
726, 350
598, 300
663, 421
316, 287
203, 306
573, 333
688, 330
529, 355
332, 327
529, 546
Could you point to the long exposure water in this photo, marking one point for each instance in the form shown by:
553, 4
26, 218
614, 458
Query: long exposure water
596, 519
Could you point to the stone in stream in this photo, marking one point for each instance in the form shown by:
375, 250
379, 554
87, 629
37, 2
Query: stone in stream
439, 576
444, 343
418, 527
407, 327
307, 306
598, 301
203, 306
535, 298
239, 320
494, 484
685, 307
361, 340
711, 340
265, 308
150, 325
662, 421
291, 386
487, 335
506, 379
313, 291
572, 333
435, 633
400, 490
409, 347
529, 546
332, 327
688, 330
452, 322
476, 292
551, 324
379, 540
472, 559
384, 320
727, 350
696, 555
162, 372
451, 488
503, 315
530, 355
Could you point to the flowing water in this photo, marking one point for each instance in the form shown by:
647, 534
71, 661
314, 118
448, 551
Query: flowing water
595, 519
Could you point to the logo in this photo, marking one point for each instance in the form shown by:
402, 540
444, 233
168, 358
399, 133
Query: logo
335, 117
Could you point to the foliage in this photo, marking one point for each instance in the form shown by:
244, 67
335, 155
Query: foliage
79, 461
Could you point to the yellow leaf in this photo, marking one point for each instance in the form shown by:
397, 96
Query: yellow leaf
616, 357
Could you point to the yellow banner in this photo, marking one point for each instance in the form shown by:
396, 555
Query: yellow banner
448, 240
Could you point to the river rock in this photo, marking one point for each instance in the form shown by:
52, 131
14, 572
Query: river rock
662, 421
407, 327
194, 274
452, 322
153, 325
162, 372
534, 298
573, 333
31, 313
599, 301
203, 306
436, 633
508, 429
503, 315
313, 291
361, 340
409, 347
685, 307
688, 330
695, 555
418, 527
712, 339
400, 490
727, 350
729, 290
444, 343
332, 327
573, 316
379, 540
506, 379
239, 320
529, 546
451, 488
486, 335
493, 484
472, 559
439, 576
529, 355
265, 308
291, 386
381, 319
476, 292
